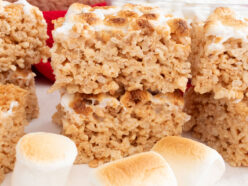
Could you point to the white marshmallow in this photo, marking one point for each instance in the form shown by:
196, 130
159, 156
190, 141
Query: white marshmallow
144, 169
26, 6
193, 163
4, 3
43, 159
10, 111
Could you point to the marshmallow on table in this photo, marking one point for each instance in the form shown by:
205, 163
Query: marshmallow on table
144, 169
43, 159
193, 163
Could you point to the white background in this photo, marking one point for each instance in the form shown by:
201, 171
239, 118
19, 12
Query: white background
80, 173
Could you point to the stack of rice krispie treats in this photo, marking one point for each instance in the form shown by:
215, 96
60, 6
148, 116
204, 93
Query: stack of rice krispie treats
121, 72
13, 103
23, 35
218, 102
22, 43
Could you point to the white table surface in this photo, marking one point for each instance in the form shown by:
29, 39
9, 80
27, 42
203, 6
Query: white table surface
79, 175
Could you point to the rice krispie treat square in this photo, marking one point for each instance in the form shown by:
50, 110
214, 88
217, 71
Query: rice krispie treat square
102, 49
24, 78
221, 123
23, 35
107, 128
13, 101
219, 55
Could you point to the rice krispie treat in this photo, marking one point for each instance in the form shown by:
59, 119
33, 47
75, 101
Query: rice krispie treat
100, 50
221, 123
107, 128
25, 79
219, 55
23, 35
12, 121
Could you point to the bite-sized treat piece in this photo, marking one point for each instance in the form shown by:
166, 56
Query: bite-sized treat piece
107, 128
48, 5
221, 123
23, 35
147, 168
24, 78
193, 163
12, 122
43, 159
99, 50
219, 55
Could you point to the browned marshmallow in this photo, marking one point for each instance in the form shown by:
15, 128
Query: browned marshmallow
193, 163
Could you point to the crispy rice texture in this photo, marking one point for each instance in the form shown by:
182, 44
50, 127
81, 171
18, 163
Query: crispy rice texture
129, 48
107, 128
22, 37
11, 126
223, 71
222, 124
24, 78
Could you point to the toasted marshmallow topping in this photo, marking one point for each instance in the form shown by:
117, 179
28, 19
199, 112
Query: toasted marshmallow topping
11, 107
111, 18
100, 101
78, 105
191, 9
201, 10
225, 24
65, 102
26, 6
193, 163
43, 159
107, 101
